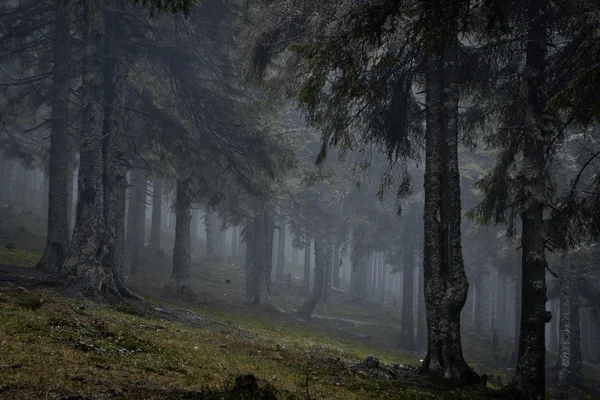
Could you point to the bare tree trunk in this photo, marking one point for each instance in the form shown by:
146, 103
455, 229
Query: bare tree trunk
408, 330
553, 345
280, 251
234, 242
337, 263
210, 237
309, 305
157, 193
120, 230
90, 264
446, 284
136, 226
422, 314
530, 375
250, 241
57, 237
263, 256
328, 271
307, 259
182, 258
382, 274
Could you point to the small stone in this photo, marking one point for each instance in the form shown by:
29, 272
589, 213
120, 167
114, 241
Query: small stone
22, 289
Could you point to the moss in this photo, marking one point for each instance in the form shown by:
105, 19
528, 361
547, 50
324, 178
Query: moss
14, 256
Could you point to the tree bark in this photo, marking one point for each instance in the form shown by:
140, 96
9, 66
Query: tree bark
182, 258
360, 272
307, 259
234, 242
209, 221
408, 330
328, 271
553, 345
250, 241
336, 265
530, 373
90, 264
57, 237
309, 305
120, 231
280, 251
136, 225
263, 257
446, 284
156, 214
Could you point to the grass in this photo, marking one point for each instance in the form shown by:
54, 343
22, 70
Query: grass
54, 346
13, 256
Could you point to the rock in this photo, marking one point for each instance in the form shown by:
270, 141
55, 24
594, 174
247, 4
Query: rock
371, 362
22, 289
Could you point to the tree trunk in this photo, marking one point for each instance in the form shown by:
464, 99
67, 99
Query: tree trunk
307, 259
182, 258
408, 330
210, 237
309, 305
120, 231
446, 284
422, 314
136, 225
336, 265
195, 222
585, 333
360, 273
595, 336
530, 373
263, 256
280, 252
57, 237
370, 274
90, 264
250, 241
553, 345
156, 214
328, 271
234, 242
382, 275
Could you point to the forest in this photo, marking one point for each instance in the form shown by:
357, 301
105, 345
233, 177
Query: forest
299, 199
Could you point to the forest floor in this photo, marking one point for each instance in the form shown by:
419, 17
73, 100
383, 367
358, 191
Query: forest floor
206, 343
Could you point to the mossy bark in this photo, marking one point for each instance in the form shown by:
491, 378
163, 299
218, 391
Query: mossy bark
157, 194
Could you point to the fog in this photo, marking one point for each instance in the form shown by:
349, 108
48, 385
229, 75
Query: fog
299, 176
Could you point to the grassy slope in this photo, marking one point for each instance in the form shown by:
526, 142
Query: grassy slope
51, 345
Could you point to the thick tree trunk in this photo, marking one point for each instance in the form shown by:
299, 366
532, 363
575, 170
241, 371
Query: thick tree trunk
90, 264
57, 237
446, 283
182, 258
595, 336
370, 274
156, 214
309, 305
408, 331
280, 251
136, 225
307, 259
530, 373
